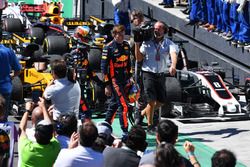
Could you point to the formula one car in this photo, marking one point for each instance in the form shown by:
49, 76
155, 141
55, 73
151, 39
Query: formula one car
194, 93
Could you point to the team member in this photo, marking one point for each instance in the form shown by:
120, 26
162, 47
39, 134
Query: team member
116, 68
154, 54
8, 62
121, 14
137, 19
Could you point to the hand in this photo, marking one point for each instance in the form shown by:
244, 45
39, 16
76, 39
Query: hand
117, 143
51, 82
50, 110
188, 146
73, 140
172, 70
41, 102
108, 91
29, 106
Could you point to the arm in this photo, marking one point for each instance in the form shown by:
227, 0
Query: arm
138, 55
172, 69
104, 70
41, 104
23, 124
189, 148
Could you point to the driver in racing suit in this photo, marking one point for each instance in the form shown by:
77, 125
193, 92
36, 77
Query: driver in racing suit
116, 68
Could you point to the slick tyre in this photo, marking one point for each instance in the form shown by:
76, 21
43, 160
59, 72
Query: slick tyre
38, 34
173, 90
13, 25
17, 89
55, 45
95, 58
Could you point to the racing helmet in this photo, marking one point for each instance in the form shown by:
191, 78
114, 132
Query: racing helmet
82, 33
132, 91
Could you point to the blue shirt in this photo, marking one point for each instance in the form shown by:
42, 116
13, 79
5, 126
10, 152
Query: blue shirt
156, 56
8, 62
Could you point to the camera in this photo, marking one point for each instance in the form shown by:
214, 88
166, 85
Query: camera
144, 33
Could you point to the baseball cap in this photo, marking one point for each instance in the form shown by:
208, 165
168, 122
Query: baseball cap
105, 131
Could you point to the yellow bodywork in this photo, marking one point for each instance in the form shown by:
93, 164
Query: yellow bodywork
38, 80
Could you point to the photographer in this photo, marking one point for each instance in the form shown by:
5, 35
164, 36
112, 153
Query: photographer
154, 54
63, 93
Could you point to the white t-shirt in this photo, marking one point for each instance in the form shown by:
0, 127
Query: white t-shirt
79, 156
65, 96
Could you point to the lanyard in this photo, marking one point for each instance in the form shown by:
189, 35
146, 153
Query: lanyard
157, 55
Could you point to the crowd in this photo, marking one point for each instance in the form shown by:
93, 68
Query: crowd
228, 18
55, 137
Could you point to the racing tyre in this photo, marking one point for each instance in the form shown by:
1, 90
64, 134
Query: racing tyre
17, 89
13, 25
173, 89
166, 110
55, 45
95, 58
38, 34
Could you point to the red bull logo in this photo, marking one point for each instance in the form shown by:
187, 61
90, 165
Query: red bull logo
122, 58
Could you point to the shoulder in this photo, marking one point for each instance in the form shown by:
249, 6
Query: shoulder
109, 45
148, 158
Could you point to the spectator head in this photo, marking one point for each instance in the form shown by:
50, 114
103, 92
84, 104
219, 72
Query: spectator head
137, 17
105, 132
66, 124
88, 134
223, 158
37, 115
167, 132
4, 148
44, 132
137, 139
167, 156
2, 107
59, 68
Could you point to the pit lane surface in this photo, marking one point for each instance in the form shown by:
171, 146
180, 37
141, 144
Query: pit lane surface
207, 137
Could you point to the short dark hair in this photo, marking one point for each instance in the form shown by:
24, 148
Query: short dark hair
66, 124
118, 28
59, 68
167, 131
136, 138
167, 156
223, 158
88, 134
44, 133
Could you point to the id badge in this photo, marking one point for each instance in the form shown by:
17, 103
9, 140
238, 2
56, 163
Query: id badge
157, 57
